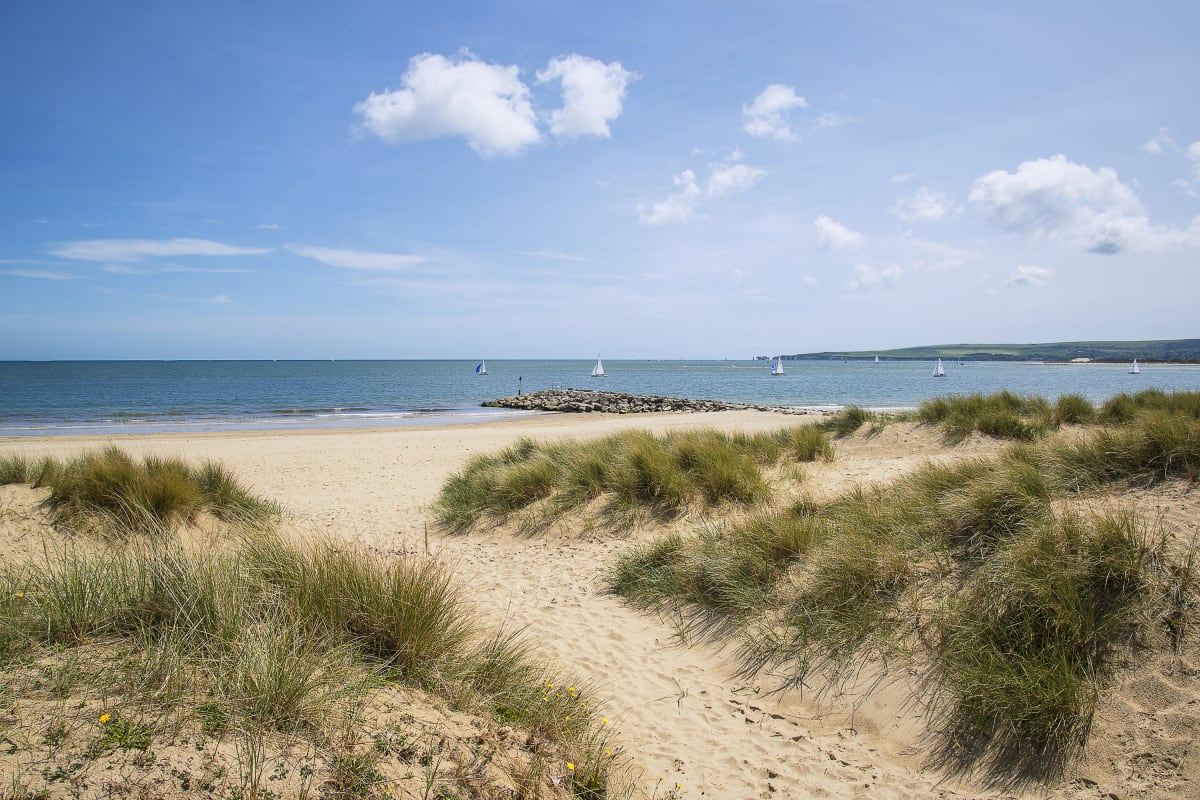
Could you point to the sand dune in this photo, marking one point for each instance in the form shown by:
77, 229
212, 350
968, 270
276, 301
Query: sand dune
683, 719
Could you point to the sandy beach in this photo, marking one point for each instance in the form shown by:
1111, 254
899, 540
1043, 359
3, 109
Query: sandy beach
681, 715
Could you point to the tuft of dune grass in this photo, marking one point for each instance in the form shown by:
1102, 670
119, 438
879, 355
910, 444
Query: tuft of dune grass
1022, 611
269, 635
109, 490
635, 471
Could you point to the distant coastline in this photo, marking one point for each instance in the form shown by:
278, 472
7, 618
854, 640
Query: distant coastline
1166, 351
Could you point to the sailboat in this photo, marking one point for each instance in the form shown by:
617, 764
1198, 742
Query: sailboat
1134, 369
777, 366
939, 371
876, 359
598, 370
482, 368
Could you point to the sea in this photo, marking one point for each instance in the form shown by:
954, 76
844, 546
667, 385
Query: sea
124, 397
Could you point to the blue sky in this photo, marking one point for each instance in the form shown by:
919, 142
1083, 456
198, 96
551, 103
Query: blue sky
556, 179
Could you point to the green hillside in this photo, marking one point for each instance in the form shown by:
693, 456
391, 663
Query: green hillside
1176, 350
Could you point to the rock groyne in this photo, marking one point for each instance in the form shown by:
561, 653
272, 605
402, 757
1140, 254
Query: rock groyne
584, 400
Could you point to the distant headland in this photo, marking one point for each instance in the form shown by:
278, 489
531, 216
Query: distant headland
1163, 350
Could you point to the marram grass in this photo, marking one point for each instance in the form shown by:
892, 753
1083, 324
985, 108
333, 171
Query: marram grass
271, 636
109, 490
1022, 611
633, 471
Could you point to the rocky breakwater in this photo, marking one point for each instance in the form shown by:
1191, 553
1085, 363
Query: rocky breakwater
583, 400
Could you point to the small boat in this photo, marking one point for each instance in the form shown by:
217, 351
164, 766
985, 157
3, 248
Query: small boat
1134, 369
482, 368
876, 359
777, 366
939, 371
598, 370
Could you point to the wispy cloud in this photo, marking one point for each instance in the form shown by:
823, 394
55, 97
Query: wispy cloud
552, 255
366, 260
726, 178
267, 226
215, 300
938, 257
835, 236
40, 274
139, 249
1029, 276
868, 277
122, 269
768, 116
1159, 143
923, 205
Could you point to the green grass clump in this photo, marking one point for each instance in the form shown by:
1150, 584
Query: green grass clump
1153, 447
1021, 611
1123, 408
292, 637
635, 471
1002, 415
848, 420
1073, 409
107, 489
1026, 647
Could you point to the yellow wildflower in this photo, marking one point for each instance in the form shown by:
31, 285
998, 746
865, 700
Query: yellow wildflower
104, 718
571, 766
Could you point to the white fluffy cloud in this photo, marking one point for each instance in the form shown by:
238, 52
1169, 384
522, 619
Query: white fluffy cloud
868, 277
365, 260
923, 205
486, 104
1059, 199
592, 94
138, 249
724, 179
768, 115
489, 105
1029, 276
835, 236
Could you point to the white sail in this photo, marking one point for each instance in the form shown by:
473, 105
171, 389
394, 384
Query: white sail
598, 370
939, 371
876, 359
482, 368
1135, 369
777, 366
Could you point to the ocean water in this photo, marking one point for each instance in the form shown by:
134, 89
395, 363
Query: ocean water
113, 397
